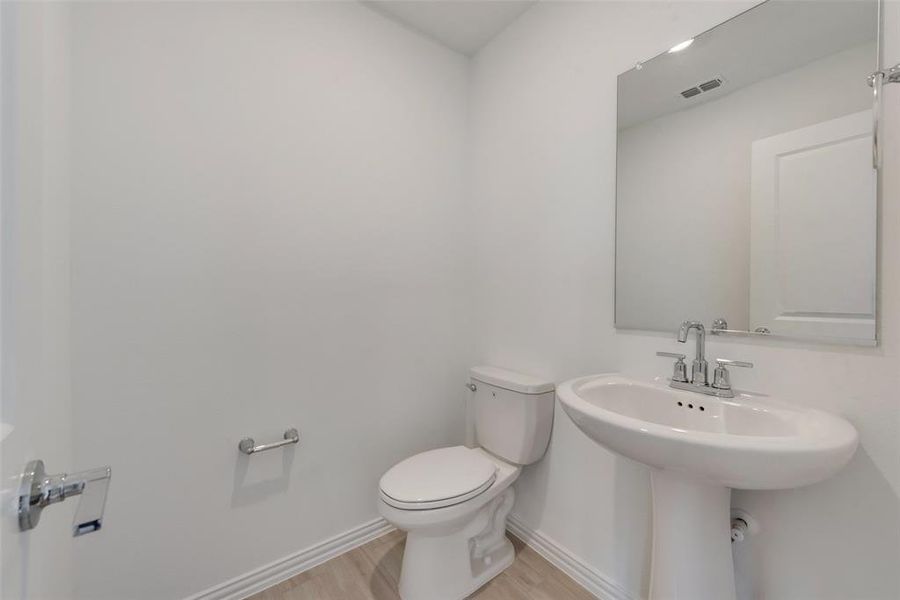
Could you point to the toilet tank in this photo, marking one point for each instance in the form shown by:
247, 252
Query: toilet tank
513, 413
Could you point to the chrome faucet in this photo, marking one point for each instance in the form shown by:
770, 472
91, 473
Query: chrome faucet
699, 368
699, 380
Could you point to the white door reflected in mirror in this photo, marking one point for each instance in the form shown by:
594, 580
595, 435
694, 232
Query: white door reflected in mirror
813, 229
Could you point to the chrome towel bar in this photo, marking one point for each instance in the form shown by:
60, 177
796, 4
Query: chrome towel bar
248, 446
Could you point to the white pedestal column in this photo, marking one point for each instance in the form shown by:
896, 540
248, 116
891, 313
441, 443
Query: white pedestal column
691, 541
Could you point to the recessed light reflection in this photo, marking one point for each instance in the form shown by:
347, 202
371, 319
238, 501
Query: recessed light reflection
681, 46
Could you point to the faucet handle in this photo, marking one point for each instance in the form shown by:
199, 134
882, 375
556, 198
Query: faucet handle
727, 362
679, 372
721, 377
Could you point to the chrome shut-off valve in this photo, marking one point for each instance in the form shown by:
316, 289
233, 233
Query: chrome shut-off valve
38, 490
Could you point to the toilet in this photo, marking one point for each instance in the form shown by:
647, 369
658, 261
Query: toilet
453, 502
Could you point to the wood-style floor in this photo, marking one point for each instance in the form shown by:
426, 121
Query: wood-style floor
371, 572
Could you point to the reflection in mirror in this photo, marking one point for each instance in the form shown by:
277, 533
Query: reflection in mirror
745, 189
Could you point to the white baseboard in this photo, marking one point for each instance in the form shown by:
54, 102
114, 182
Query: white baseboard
586, 576
275, 572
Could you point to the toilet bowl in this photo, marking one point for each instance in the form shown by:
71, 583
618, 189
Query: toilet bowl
453, 548
453, 502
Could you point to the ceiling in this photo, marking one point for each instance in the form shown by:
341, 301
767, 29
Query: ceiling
462, 25
773, 38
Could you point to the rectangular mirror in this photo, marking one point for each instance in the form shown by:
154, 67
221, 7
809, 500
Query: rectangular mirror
745, 188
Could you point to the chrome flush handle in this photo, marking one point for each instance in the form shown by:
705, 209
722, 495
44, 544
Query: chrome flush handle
38, 490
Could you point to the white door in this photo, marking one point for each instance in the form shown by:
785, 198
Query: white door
34, 406
813, 223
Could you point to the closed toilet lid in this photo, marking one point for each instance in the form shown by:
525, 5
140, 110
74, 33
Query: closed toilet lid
437, 478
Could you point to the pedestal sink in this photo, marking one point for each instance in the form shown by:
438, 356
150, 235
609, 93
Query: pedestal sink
699, 447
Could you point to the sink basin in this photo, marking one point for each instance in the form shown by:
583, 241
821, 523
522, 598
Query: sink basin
739, 442
699, 447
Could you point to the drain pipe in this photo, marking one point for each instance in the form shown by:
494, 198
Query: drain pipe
739, 529
742, 525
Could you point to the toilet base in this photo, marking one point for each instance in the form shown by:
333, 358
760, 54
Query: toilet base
450, 565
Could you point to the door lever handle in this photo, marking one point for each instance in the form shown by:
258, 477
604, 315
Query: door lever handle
38, 490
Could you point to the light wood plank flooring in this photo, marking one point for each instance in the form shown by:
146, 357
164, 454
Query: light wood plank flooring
372, 571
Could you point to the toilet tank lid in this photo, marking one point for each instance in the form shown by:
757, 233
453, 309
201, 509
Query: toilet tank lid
510, 380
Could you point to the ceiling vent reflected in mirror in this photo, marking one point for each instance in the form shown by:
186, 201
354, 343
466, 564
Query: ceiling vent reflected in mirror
706, 86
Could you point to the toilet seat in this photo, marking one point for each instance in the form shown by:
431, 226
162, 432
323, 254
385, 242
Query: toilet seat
437, 478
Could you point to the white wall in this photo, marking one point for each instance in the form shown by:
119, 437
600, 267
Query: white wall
267, 231
544, 140
691, 169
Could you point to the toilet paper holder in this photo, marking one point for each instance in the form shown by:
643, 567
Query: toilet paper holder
248, 446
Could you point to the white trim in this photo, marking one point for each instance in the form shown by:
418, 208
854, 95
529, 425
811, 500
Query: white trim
560, 557
275, 572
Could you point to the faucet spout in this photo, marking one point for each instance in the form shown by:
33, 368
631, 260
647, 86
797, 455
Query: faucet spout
699, 368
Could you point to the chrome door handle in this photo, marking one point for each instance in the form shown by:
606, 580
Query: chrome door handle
38, 490
876, 81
